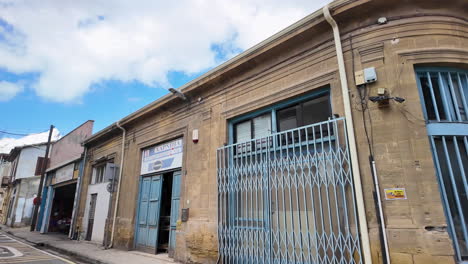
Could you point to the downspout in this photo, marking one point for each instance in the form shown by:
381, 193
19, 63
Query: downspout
383, 232
78, 195
119, 183
351, 139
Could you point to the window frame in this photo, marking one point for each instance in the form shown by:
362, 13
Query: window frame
94, 177
273, 109
451, 115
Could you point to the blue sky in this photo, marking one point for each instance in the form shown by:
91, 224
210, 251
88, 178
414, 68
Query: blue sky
63, 63
110, 101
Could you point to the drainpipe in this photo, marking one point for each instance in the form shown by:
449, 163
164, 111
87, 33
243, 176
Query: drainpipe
78, 195
351, 139
383, 232
119, 183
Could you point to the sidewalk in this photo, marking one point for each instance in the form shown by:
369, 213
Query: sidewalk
86, 251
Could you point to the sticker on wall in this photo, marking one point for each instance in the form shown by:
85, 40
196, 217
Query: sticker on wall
395, 194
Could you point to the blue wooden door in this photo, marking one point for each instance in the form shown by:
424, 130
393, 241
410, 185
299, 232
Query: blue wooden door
149, 207
175, 198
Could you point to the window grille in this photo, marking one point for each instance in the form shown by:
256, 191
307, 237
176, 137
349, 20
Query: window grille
444, 95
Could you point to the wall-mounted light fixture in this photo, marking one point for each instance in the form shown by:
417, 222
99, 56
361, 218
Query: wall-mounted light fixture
381, 98
178, 94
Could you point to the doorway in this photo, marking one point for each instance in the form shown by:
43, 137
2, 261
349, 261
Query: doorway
62, 208
165, 217
92, 213
157, 212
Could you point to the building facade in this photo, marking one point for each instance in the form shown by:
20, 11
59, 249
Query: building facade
266, 158
26, 163
5, 176
61, 183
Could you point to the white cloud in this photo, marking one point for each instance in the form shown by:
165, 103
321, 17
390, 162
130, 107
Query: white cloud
74, 44
7, 144
8, 90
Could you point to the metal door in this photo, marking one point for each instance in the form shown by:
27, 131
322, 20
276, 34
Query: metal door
444, 96
92, 212
174, 211
288, 198
47, 209
149, 209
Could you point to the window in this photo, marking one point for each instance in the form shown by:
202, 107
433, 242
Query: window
103, 172
258, 127
99, 173
288, 116
39, 165
444, 93
304, 114
444, 99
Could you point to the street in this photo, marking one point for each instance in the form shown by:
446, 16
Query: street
14, 251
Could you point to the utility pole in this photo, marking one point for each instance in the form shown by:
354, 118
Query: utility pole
39, 190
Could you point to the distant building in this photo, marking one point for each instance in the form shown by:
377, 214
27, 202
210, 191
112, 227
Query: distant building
5, 178
26, 164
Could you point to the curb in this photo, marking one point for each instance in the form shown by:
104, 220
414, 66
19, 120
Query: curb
72, 254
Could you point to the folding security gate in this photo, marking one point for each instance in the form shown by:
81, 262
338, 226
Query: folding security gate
444, 93
288, 198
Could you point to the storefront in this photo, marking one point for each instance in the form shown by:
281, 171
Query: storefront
59, 198
159, 195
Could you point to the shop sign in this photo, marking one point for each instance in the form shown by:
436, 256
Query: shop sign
395, 194
64, 173
162, 157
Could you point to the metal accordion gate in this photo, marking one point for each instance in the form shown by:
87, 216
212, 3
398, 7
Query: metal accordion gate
288, 198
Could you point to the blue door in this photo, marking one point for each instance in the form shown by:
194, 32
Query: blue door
148, 217
175, 198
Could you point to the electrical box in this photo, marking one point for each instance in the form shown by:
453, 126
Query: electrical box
381, 91
368, 75
185, 214
359, 77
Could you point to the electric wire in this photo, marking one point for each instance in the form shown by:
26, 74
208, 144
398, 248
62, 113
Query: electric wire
20, 134
13, 134
362, 101
363, 96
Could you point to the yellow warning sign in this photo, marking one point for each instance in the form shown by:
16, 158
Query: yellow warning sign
395, 194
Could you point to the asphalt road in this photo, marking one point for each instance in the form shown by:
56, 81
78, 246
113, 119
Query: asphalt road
13, 251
